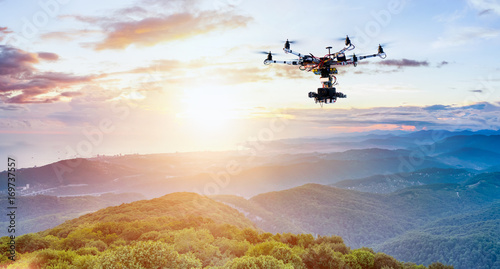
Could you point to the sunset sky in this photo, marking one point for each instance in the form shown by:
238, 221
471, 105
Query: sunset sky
80, 78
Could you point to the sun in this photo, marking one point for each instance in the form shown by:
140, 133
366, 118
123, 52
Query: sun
208, 109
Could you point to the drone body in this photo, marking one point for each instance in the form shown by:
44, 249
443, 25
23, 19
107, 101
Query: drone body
325, 67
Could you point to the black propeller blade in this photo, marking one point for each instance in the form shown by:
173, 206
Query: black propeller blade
265, 52
386, 44
343, 38
347, 40
291, 41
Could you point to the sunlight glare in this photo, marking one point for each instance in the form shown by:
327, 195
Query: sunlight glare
208, 109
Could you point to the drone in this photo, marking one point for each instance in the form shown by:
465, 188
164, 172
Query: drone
325, 67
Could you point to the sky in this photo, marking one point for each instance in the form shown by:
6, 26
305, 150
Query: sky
82, 78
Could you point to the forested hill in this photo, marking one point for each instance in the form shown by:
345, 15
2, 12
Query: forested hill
42, 212
183, 230
175, 205
394, 223
468, 240
354, 215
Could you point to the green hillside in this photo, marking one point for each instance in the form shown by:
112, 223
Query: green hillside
423, 216
393, 182
175, 205
183, 230
351, 214
42, 212
468, 241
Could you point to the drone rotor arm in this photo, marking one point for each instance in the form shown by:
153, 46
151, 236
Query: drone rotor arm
298, 54
382, 55
289, 62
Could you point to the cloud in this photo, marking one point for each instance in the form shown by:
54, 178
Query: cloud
462, 36
404, 63
4, 31
150, 22
484, 12
448, 117
69, 35
223, 73
48, 56
436, 107
14, 61
21, 82
441, 64
11, 108
485, 6
451, 17
151, 31
71, 94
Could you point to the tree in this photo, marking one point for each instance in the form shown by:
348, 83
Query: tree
31, 242
438, 265
322, 257
232, 247
382, 260
251, 235
264, 248
147, 254
286, 255
360, 259
261, 262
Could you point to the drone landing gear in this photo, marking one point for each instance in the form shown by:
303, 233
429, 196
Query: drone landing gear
325, 95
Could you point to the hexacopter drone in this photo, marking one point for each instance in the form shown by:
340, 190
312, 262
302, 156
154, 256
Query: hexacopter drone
325, 67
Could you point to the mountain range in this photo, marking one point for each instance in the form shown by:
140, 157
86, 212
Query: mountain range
183, 230
421, 196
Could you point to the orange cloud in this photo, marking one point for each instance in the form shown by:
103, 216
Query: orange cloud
154, 30
4, 31
68, 35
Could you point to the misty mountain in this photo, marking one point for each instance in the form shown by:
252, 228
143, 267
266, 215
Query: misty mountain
367, 154
67, 175
181, 230
206, 172
354, 215
393, 182
467, 240
265, 174
472, 158
481, 142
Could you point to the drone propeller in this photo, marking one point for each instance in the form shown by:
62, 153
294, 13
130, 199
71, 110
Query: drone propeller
346, 39
265, 52
343, 38
268, 53
291, 41
354, 58
288, 42
386, 44
380, 49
